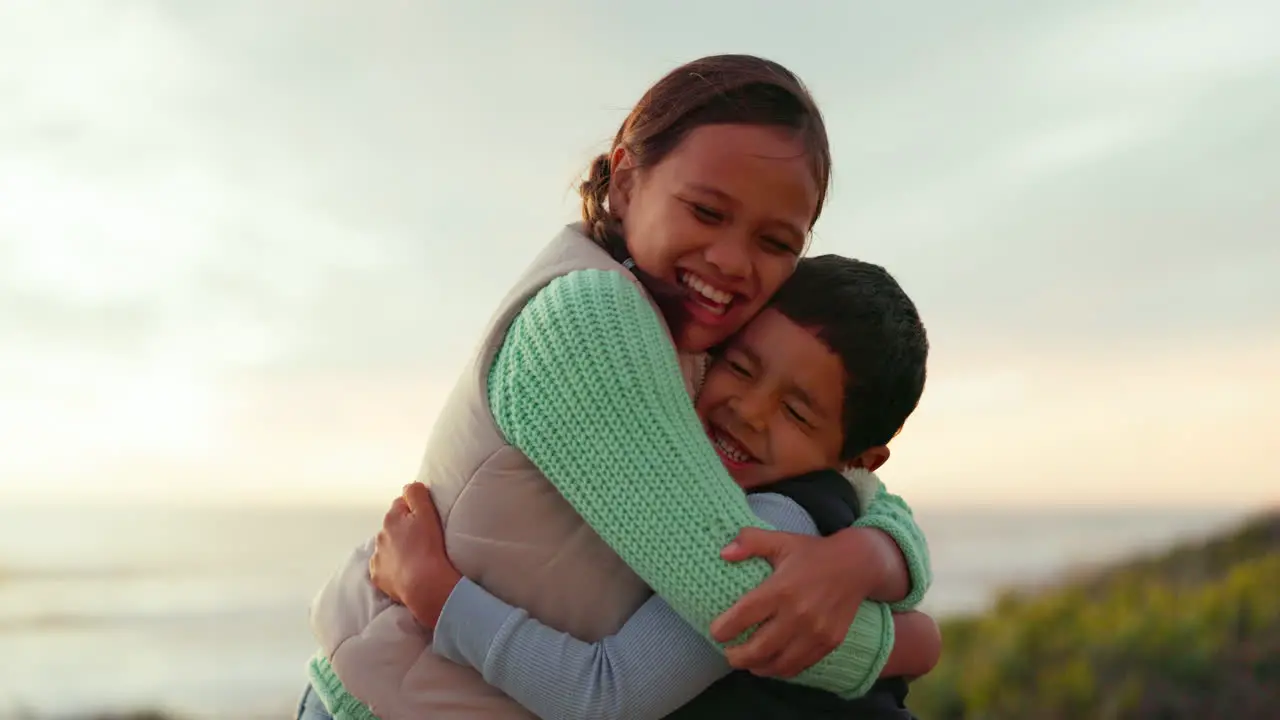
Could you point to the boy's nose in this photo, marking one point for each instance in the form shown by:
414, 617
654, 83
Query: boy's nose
752, 410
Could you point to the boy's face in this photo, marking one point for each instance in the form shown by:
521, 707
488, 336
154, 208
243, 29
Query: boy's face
773, 402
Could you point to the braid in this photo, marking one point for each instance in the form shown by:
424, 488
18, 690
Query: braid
601, 224
595, 192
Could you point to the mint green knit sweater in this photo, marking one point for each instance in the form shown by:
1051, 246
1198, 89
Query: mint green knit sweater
588, 386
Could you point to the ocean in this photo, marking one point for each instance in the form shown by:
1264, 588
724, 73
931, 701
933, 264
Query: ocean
203, 612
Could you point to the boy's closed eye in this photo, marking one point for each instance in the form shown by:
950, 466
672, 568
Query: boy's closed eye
797, 415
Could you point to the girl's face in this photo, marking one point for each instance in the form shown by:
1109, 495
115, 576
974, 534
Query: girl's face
722, 220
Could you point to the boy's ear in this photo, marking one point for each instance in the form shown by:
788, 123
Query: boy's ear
871, 459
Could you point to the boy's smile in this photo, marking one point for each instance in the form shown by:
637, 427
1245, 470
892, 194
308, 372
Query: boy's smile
733, 453
773, 402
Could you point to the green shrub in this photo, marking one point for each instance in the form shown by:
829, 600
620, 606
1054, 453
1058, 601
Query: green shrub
1192, 633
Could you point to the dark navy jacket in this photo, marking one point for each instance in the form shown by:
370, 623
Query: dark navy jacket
830, 500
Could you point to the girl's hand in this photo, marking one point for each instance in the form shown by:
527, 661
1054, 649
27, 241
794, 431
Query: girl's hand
805, 608
409, 562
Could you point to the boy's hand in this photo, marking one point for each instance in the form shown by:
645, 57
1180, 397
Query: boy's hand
805, 607
409, 562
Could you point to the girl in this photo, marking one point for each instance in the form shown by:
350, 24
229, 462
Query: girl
802, 402
577, 409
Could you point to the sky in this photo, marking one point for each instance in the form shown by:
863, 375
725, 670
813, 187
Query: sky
247, 247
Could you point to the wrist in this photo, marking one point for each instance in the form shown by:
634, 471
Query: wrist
425, 600
912, 556
875, 556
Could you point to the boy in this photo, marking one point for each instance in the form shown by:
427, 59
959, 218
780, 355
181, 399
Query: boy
823, 378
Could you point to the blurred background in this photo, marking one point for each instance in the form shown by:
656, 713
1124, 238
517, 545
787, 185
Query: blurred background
245, 248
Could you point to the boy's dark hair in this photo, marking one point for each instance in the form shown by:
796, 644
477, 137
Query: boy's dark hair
864, 316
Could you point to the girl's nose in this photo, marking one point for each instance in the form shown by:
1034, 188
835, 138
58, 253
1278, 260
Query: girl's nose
731, 257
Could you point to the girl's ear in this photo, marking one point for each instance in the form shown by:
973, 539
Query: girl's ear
622, 178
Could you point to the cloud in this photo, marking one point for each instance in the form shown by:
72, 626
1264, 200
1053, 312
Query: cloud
1152, 47
205, 201
1023, 189
999, 426
1080, 143
329, 176
1094, 427
226, 176
300, 438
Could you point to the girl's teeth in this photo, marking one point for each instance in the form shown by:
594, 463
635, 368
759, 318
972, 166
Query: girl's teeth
707, 291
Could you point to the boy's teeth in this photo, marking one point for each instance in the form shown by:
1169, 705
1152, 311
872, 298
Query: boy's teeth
730, 448
704, 289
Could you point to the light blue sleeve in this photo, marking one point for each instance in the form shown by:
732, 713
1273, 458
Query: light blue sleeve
652, 666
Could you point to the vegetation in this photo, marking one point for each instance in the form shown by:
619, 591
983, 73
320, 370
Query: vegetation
1192, 633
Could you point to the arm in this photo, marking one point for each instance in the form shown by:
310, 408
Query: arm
888, 522
918, 647
587, 385
836, 574
654, 664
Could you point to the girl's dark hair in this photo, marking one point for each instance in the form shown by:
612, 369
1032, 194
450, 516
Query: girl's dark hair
715, 90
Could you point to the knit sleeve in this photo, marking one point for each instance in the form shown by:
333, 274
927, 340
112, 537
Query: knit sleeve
891, 514
651, 667
588, 386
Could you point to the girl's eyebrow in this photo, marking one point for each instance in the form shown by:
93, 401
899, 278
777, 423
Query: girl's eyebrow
712, 190
797, 234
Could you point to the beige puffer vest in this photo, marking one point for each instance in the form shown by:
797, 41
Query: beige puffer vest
507, 529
